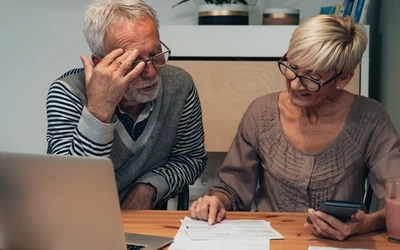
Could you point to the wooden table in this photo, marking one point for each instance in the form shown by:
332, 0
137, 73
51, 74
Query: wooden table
290, 225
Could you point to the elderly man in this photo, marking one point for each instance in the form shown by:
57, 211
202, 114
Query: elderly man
126, 104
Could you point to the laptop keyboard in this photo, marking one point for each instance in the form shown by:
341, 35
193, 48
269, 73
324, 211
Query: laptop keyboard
134, 247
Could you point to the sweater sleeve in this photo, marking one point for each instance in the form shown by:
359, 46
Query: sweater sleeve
239, 171
71, 129
383, 155
187, 158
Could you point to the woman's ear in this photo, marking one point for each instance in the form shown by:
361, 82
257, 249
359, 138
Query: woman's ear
344, 80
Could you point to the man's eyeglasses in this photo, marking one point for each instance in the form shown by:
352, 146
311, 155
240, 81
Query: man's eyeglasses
158, 60
308, 83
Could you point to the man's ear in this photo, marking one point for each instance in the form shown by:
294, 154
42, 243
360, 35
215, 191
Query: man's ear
96, 59
344, 80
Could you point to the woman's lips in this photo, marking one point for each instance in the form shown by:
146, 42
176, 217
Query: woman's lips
300, 94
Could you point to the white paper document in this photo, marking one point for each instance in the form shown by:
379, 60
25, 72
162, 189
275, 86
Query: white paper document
334, 248
229, 229
229, 234
182, 242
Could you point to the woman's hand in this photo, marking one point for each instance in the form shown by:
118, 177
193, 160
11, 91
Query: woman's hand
209, 208
327, 226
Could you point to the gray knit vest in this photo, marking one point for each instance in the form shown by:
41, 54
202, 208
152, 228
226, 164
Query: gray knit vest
133, 159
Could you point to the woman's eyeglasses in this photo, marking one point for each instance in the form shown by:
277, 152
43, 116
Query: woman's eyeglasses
308, 83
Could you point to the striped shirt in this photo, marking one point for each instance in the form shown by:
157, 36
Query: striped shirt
72, 130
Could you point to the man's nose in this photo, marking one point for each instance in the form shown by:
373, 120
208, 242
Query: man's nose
149, 70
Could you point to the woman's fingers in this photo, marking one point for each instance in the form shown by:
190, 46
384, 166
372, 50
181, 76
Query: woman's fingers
221, 214
208, 208
212, 214
333, 227
192, 210
327, 226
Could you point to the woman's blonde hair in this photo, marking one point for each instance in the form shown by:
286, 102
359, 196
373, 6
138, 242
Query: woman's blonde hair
101, 13
324, 43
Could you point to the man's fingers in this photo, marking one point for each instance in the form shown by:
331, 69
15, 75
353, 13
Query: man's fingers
120, 64
126, 61
111, 57
123, 65
135, 72
87, 67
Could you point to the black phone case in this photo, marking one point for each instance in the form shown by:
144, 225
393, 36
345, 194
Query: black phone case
341, 210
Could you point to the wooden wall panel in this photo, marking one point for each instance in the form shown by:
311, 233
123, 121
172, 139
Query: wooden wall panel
226, 88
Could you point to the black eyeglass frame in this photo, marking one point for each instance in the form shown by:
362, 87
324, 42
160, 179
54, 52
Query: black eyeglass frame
152, 58
320, 85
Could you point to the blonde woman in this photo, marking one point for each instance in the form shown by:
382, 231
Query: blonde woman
313, 142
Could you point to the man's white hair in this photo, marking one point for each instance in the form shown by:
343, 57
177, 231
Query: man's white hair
101, 13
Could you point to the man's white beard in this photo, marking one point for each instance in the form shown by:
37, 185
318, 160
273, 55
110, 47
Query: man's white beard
134, 94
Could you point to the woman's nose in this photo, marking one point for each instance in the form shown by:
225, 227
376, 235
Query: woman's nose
295, 84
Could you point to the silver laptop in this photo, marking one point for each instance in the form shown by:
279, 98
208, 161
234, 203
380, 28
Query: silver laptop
52, 202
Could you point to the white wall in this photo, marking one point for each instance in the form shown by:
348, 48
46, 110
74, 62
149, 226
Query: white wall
42, 39
186, 13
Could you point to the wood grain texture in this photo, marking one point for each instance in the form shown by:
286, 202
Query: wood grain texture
226, 89
290, 225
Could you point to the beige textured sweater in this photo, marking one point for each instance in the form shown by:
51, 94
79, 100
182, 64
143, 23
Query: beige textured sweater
262, 165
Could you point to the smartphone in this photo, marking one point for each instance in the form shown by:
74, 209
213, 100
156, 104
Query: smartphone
342, 210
